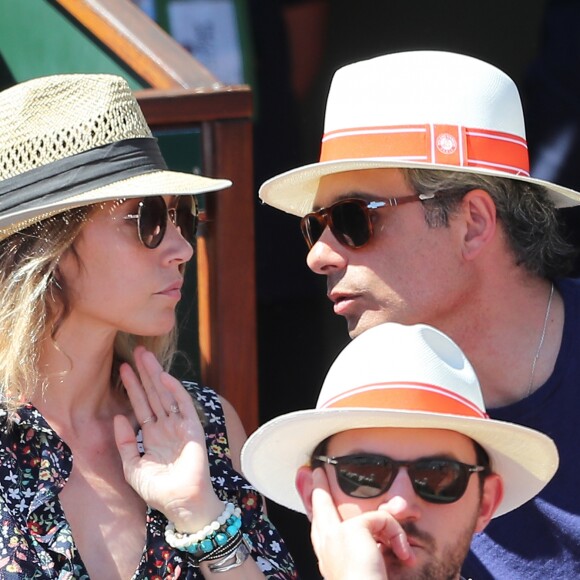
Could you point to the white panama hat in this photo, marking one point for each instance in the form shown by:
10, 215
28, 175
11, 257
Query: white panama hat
72, 140
420, 109
398, 376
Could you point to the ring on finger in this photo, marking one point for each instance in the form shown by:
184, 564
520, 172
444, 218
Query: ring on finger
149, 419
174, 408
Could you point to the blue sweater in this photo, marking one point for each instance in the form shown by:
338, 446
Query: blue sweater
541, 539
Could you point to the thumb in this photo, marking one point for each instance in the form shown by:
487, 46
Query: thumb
125, 440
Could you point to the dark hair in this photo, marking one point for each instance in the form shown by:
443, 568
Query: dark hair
527, 214
482, 458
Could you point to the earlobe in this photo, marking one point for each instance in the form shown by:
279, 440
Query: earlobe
491, 497
479, 212
304, 486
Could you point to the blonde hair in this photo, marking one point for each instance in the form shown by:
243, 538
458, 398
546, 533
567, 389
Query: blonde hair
34, 303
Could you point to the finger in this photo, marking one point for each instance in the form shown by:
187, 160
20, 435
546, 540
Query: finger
150, 374
158, 379
322, 503
387, 530
324, 513
136, 393
126, 442
184, 402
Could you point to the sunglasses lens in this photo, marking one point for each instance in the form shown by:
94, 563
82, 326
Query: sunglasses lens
439, 481
312, 226
365, 476
434, 480
152, 221
186, 217
350, 223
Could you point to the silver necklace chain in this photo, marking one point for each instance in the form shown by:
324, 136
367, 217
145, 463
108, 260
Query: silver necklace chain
541, 343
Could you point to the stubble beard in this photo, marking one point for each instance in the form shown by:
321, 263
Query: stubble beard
446, 566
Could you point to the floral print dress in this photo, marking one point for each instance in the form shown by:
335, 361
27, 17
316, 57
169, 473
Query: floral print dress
36, 539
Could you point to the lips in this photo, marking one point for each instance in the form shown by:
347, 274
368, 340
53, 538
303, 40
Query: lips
173, 289
342, 302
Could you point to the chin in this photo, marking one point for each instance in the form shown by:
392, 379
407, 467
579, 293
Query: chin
359, 325
355, 327
397, 570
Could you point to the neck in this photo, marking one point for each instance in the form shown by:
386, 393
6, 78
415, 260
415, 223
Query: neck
76, 372
500, 330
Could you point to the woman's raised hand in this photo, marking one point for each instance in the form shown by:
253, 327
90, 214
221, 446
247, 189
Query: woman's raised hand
172, 476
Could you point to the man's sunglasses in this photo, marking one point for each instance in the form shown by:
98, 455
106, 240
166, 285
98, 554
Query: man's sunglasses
349, 220
152, 214
366, 475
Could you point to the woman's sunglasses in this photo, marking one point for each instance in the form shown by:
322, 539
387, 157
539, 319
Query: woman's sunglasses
367, 475
152, 215
349, 220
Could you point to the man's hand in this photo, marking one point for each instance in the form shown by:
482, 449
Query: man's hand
352, 548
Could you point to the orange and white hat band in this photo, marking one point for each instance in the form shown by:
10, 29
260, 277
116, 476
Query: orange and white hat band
401, 396
433, 144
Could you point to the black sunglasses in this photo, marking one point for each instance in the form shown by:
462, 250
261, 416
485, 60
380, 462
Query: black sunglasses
152, 217
349, 220
366, 475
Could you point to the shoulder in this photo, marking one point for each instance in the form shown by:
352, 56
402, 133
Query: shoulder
207, 400
222, 422
236, 433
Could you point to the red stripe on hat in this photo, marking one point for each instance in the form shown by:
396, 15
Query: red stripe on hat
436, 144
407, 397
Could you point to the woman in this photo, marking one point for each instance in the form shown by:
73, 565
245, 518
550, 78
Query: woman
109, 467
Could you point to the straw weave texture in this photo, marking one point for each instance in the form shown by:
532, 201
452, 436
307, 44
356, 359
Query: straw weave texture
44, 120
47, 121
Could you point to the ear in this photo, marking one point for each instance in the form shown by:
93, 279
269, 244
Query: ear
479, 215
490, 499
305, 486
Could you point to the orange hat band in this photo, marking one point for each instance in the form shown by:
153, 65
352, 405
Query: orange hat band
407, 397
434, 144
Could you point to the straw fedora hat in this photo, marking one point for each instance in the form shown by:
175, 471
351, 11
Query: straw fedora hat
423, 109
72, 140
398, 376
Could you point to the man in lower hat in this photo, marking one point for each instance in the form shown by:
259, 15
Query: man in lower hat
422, 209
399, 464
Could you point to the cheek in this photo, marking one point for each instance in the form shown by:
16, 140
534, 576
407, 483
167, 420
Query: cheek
347, 506
350, 509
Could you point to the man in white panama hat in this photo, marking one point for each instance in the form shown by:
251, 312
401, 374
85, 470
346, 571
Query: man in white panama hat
422, 209
412, 466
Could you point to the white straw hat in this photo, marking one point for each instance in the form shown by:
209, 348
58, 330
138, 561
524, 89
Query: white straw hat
426, 109
72, 140
398, 376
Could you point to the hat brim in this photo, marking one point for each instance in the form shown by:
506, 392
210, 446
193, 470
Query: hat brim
161, 182
525, 459
295, 191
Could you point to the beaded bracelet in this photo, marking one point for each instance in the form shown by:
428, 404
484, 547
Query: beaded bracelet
209, 540
222, 551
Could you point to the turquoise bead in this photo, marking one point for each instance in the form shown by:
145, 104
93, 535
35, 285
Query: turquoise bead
207, 546
221, 539
193, 548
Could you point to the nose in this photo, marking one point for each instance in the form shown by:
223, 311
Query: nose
178, 248
327, 254
400, 500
